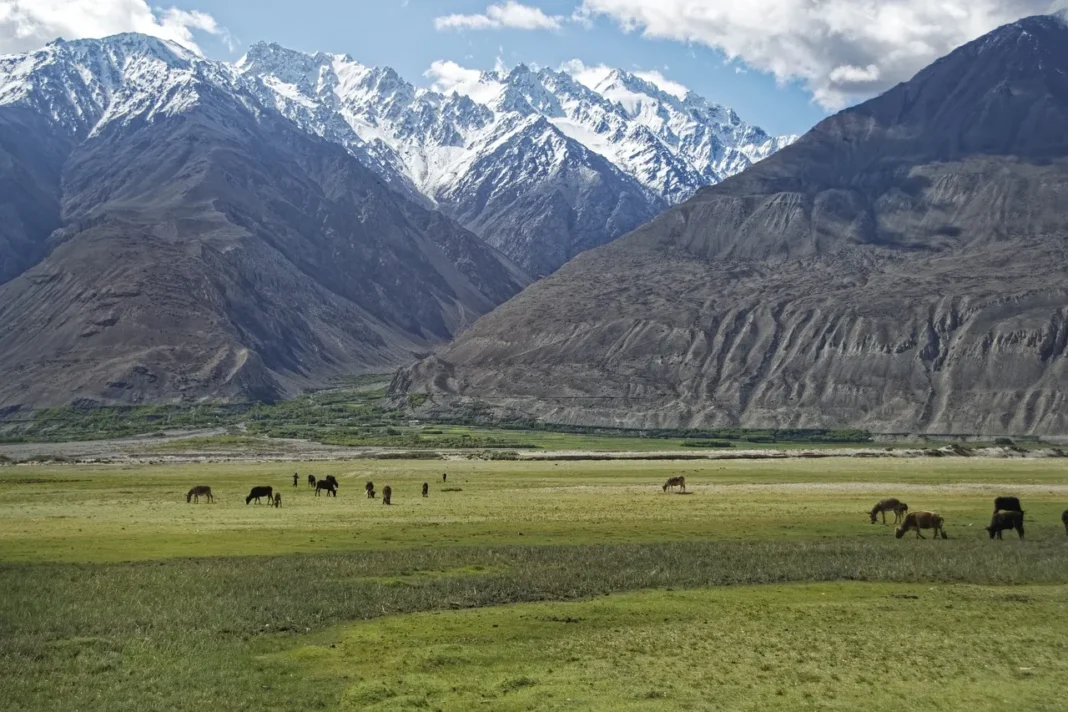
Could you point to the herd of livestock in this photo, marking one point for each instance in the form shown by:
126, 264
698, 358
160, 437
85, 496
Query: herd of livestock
1008, 514
328, 484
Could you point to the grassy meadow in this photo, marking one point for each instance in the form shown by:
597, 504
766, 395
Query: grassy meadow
530, 585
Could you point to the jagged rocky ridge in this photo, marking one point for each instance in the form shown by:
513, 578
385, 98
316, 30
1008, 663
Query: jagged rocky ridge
902, 267
166, 235
540, 164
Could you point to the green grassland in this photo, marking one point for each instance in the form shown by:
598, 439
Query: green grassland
530, 585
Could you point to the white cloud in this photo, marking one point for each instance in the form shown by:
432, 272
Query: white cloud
27, 25
511, 15
447, 76
841, 50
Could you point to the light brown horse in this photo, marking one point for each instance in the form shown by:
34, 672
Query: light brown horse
899, 508
922, 520
674, 482
197, 492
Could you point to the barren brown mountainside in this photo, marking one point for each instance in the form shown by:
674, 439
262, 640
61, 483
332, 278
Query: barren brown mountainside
166, 237
902, 267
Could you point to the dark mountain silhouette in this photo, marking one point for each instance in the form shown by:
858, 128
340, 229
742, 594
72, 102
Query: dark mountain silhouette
901, 267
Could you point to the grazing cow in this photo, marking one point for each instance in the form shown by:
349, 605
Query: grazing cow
387, 492
296, 479
311, 480
1007, 504
370, 488
197, 492
258, 492
1006, 520
899, 508
922, 520
330, 487
426, 489
277, 499
673, 482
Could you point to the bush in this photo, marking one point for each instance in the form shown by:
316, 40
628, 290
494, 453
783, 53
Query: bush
707, 443
1004, 442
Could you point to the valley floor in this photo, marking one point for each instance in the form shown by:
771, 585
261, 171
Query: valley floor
530, 585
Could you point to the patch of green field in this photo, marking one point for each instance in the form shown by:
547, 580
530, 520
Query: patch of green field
828, 646
117, 594
60, 513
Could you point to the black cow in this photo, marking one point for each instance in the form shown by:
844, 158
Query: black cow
258, 492
1064, 518
1007, 504
330, 487
1006, 520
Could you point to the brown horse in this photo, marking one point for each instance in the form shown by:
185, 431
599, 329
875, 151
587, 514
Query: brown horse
426, 488
197, 492
674, 482
922, 520
387, 492
899, 508
277, 502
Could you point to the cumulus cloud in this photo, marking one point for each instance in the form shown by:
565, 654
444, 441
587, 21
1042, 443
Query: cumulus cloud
447, 76
512, 15
841, 50
27, 25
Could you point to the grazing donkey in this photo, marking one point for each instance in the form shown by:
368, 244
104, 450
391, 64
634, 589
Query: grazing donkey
922, 520
277, 502
1006, 520
197, 492
674, 482
370, 489
426, 488
258, 492
387, 492
899, 508
1007, 504
311, 480
330, 487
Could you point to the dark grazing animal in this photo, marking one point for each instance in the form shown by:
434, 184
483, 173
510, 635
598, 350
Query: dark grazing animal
197, 492
1064, 519
387, 492
673, 482
311, 480
296, 479
370, 488
258, 492
1007, 504
426, 488
922, 520
277, 502
1006, 520
330, 487
899, 508
444, 476
331, 479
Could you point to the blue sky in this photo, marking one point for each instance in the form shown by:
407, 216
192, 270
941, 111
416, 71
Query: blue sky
404, 37
781, 64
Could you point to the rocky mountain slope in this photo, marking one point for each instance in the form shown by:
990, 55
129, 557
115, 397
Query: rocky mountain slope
902, 267
540, 164
166, 235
